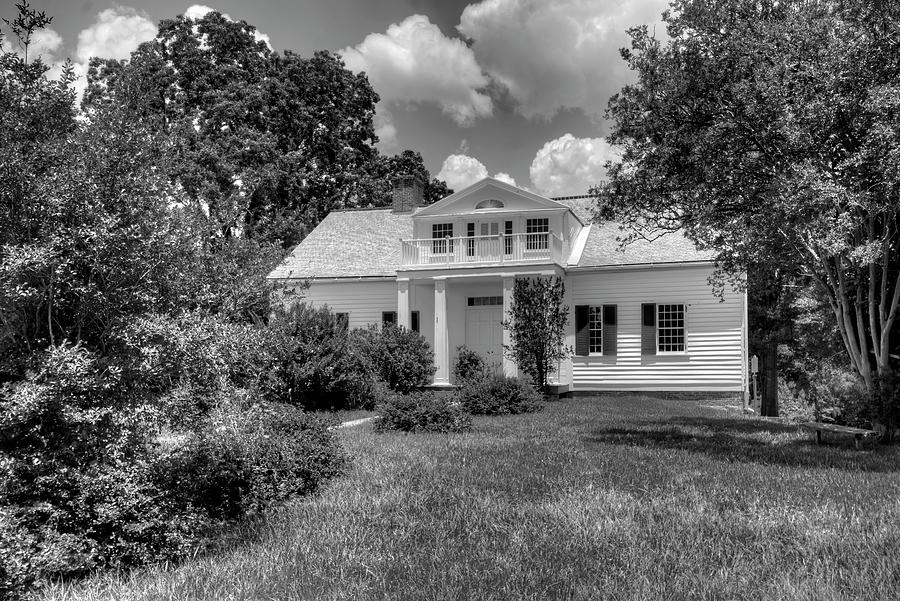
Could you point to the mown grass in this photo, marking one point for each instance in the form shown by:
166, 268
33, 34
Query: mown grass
627, 498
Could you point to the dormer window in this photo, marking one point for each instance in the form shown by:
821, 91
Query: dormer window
490, 203
537, 233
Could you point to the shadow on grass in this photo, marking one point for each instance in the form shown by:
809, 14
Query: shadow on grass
748, 440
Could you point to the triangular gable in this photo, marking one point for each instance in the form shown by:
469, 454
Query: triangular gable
512, 198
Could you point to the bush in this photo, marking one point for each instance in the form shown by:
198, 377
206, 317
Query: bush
422, 412
402, 358
469, 365
838, 395
248, 457
498, 395
86, 480
315, 364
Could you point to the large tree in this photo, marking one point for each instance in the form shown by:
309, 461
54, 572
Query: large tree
770, 132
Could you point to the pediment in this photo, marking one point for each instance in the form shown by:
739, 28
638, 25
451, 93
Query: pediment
489, 196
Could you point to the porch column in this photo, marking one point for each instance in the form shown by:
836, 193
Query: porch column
510, 368
403, 303
441, 335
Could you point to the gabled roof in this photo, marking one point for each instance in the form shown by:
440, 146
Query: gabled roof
603, 248
489, 188
349, 244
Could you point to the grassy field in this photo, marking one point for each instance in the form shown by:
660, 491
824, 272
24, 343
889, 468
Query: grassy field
627, 498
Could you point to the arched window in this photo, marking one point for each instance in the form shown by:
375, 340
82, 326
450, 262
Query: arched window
490, 203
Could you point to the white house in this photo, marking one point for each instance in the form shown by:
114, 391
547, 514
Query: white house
643, 318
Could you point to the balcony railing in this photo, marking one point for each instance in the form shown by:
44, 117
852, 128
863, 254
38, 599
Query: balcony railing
481, 250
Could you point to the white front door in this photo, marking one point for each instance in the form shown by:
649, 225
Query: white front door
484, 334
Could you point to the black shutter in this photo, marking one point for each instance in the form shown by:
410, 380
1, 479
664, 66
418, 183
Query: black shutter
582, 331
609, 329
648, 329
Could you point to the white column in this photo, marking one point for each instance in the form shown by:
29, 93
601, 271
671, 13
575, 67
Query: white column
441, 335
403, 303
509, 366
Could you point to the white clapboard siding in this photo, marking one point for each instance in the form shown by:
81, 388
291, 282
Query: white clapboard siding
364, 300
714, 357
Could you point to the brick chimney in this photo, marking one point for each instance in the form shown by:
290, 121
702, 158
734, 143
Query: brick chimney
409, 191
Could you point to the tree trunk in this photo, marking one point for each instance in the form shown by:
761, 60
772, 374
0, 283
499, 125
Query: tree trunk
769, 376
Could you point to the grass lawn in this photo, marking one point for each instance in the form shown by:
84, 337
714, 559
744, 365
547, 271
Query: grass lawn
626, 498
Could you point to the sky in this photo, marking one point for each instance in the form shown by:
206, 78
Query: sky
514, 89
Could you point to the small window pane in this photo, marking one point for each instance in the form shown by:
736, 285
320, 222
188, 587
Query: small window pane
389, 318
414, 321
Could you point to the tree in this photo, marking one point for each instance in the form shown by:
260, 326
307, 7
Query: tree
769, 132
536, 323
266, 143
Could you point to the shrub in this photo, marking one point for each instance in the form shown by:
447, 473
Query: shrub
402, 358
469, 365
498, 395
838, 395
248, 457
422, 412
315, 366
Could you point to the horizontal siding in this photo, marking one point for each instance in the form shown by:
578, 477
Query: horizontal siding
363, 300
714, 357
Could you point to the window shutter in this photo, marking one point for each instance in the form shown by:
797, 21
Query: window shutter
648, 329
609, 329
582, 331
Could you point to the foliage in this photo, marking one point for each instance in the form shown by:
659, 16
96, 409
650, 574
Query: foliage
838, 395
249, 456
536, 323
315, 364
189, 360
469, 365
401, 358
422, 412
885, 403
768, 131
496, 394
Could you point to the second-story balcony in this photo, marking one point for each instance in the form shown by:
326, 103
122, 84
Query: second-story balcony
482, 250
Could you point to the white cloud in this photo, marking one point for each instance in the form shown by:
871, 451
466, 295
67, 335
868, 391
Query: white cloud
115, 34
560, 54
413, 62
198, 11
461, 171
385, 128
45, 43
569, 165
506, 178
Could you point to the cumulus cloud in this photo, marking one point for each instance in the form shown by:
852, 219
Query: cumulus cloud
385, 128
555, 55
505, 178
568, 165
198, 11
115, 34
461, 171
413, 62
45, 43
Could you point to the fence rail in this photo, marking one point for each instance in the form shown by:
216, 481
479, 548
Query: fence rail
474, 250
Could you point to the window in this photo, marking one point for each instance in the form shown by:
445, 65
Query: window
388, 318
414, 321
470, 243
440, 232
343, 320
479, 301
537, 231
508, 241
670, 328
595, 329
490, 203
